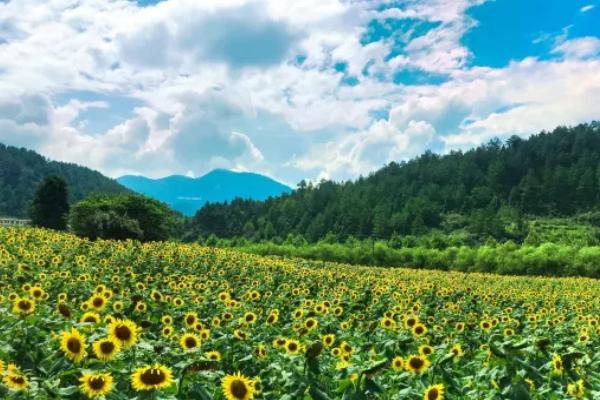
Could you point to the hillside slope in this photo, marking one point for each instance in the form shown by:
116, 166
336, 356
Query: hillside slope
485, 191
21, 171
187, 194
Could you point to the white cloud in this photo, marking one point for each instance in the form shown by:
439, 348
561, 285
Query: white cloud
251, 84
583, 47
587, 8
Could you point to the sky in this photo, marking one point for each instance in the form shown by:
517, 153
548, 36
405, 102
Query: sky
294, 89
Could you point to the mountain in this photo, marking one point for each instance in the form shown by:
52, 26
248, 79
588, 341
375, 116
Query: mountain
486, 192
187, 194
21, 170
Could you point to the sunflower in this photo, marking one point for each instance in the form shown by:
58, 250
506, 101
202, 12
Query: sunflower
557, 365
328, 340
124, 331
167, 320
456, 350
150, 377
97, 301
576, 389
189, 341
249, 318
346, 348
272, 318
117, 306
237, 387
213, 355
106, 349
95, 385
167, 331
387, 323
310, 323
90, 317
278, 342
23, 306
73, 344
292, 346
63, 309
434, 392
260, 351
239, 334
410, 321
425, 350
190, 318
419, 330
15, 381
398, 363
417, 364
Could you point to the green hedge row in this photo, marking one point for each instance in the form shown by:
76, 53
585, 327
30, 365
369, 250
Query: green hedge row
508, 258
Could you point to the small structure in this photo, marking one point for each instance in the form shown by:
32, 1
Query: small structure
10, 221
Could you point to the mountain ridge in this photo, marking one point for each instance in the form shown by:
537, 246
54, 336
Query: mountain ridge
188, 194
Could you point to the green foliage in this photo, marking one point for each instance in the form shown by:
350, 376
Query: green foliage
484, 192
552, 259
50, 207
127, 216
22, 170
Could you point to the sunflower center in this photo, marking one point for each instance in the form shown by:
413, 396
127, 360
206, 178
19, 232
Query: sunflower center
74, 345
24, 305
64, 310
96, 382
98, 301
292, 347
432, 394
239, 389
123, 332
19, 380
416, 363
190, 320
152, 376
107, 347
190, 342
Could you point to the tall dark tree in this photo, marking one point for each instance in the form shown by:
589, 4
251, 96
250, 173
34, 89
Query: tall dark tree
50, 206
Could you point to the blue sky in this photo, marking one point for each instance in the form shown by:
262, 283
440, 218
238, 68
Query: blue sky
303, 89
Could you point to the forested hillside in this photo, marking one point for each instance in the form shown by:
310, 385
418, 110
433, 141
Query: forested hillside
485, 192
21, 171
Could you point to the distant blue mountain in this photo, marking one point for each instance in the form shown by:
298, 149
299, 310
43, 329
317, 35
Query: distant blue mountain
187, 195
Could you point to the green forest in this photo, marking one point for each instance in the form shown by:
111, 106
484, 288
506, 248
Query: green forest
21, 171
492, 192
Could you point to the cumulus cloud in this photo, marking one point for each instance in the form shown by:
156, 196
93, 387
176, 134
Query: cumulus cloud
291, 89
240, 37
360, 153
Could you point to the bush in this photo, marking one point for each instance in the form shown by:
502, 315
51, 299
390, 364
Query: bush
127, 216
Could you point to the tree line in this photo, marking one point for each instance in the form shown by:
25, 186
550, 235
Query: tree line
488, 192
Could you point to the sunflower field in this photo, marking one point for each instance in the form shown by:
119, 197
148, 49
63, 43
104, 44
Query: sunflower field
125, 320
